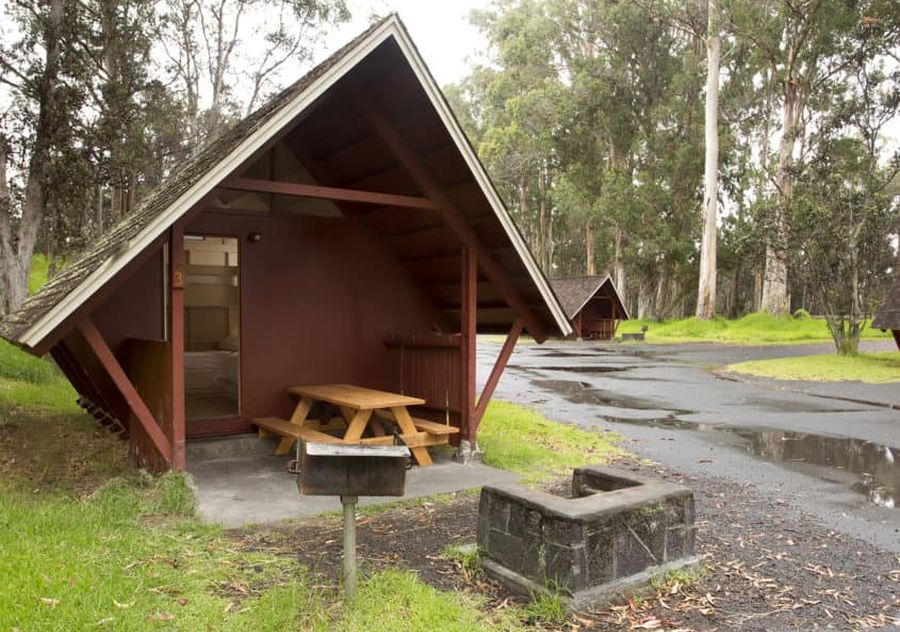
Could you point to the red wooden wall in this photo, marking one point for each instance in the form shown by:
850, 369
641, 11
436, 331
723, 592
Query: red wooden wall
319, 298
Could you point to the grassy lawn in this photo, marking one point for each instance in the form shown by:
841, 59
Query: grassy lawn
874, 368
521, 440
752, 329
40, 270
87, 541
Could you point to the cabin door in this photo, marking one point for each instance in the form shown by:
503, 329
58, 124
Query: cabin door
212, 319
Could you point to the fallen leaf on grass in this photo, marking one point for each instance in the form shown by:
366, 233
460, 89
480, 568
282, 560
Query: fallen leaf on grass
49, 601
161, 616
123, 605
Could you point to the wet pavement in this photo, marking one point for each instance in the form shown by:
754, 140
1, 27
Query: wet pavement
833, 450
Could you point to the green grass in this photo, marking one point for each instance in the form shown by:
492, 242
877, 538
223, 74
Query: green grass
130, 554
133, 557
469, 557
395, 600
752, 329
40, 270
548, 607
15, 364
680, 577
34, 383
73, 564
521, 440
873, 368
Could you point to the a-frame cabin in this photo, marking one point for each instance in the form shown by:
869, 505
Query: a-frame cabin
592, 304
888, 315
343, 233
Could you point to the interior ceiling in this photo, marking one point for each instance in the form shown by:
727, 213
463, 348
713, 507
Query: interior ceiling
335, 145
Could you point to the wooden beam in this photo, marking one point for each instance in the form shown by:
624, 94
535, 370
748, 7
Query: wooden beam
177, 278
73, 373
117, 374
327, 193
494, 378
468, 323
464, 232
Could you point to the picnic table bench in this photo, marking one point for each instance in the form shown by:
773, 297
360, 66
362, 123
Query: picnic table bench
360, 409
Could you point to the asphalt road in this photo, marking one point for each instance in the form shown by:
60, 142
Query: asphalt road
831, 450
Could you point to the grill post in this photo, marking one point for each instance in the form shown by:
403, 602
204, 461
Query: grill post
349, 503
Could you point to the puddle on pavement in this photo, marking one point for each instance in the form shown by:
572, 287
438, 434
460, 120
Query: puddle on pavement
588, 369
876, 466
584, 393
774, 404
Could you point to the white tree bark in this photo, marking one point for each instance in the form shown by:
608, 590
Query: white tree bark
619, 264
591, 267
775, 293
706, 291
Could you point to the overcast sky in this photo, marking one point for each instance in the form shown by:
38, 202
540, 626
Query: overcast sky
440, 29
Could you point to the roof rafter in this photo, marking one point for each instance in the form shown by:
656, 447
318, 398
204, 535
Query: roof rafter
492, 270
297, 189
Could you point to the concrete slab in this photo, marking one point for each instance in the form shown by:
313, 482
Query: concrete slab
239, 482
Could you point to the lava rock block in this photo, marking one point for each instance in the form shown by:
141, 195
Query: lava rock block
617, 530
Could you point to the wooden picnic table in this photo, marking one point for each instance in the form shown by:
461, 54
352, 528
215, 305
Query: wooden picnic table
360, 408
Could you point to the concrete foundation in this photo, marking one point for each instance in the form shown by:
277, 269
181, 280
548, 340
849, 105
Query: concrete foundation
238, 481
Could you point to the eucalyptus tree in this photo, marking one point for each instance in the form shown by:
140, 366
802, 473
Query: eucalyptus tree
517, 97
706, 291
847, 218
43, 79
803, 47
211, 46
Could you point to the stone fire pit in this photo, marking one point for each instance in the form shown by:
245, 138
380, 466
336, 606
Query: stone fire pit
616, 532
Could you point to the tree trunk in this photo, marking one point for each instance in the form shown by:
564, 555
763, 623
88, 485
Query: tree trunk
775, 288
706, 291
734, 297
645, 300
619, 263
591, 265
12, 290
17, 250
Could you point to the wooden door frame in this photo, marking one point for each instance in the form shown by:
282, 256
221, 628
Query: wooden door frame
229, 423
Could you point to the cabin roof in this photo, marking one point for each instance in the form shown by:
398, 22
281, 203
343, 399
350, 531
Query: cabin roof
574, 292
284, 116
888, 315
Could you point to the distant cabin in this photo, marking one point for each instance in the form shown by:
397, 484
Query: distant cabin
888, 315
592, 304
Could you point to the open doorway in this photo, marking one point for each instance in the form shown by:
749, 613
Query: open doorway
212, 318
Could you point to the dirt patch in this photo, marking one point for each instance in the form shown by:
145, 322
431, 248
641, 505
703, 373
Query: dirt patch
767, 565
68, 453
412, 536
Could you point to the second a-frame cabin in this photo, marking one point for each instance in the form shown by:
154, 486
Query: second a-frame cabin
592, 304
888, 315
345, 233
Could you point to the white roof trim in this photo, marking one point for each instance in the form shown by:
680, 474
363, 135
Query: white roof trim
391, 27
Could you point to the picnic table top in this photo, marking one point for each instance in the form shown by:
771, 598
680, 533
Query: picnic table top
352, 396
